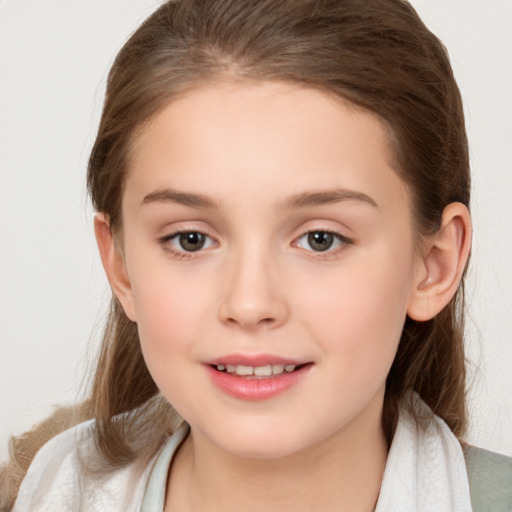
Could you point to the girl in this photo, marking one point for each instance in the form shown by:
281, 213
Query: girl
282, 192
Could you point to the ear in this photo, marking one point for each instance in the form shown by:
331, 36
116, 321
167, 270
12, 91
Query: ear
114, 265
442, 264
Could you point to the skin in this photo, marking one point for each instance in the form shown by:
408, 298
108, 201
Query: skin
258, 287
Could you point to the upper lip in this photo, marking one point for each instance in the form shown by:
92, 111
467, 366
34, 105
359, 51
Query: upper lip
253, 360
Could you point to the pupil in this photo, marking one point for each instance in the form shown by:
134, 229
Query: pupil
320, 240
192, 241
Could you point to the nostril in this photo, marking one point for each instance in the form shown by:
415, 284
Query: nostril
248, 324
250, 312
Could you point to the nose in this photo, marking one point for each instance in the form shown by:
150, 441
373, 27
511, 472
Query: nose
253, 295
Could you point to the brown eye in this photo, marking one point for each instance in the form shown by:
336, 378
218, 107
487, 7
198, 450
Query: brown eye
184, 243
320, 240
191, 241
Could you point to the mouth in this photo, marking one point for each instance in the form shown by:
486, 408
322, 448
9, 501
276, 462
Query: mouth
265, 378
267, 371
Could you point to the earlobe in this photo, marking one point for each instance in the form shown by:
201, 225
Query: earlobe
442, 264
114, 265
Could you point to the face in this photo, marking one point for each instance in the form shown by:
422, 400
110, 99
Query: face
270, 263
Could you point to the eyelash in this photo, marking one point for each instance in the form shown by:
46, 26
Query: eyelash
342, 240
182, 254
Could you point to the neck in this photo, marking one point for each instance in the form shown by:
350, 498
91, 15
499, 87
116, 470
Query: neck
341, 473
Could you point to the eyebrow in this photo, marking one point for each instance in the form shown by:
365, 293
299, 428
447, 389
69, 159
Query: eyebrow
185, 198
302, 200
321, 197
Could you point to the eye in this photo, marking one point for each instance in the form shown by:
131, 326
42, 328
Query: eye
188, 241
322, 241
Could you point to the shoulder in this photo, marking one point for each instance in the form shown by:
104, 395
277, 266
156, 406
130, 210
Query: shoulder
490, 479
54, 469
56, 479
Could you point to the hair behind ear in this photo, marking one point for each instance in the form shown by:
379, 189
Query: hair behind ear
430, 358
431, 361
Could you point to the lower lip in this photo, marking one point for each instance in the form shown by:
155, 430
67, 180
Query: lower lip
256, 388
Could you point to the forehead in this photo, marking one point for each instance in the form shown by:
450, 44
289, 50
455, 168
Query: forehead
269, 138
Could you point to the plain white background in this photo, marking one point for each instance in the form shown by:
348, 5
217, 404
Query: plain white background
54, 57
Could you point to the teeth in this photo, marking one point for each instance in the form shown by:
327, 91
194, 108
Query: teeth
277, 369
258, 371
244, 370
263, 370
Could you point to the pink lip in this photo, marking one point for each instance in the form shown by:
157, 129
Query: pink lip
253, 360
255, 388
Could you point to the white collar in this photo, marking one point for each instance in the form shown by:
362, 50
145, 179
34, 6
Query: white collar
425, 470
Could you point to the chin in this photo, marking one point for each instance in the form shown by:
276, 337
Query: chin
265, 438
260, 448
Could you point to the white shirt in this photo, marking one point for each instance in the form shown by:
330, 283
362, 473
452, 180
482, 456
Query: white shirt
425, 472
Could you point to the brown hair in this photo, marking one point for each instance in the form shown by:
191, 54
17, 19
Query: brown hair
376, 54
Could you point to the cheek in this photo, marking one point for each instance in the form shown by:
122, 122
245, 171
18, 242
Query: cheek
359, 315
169, 309
169, 326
